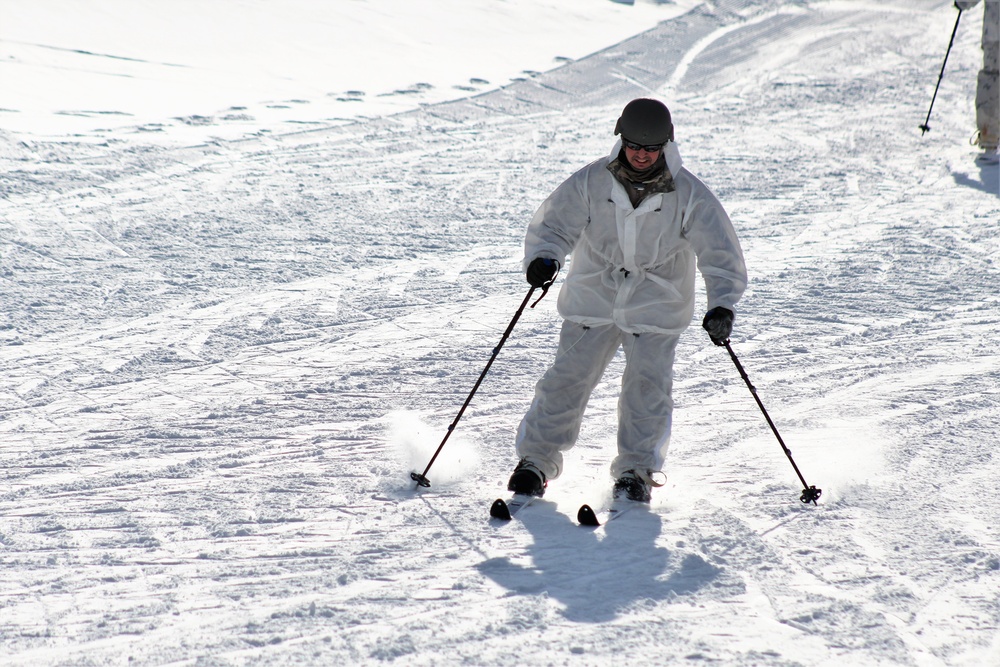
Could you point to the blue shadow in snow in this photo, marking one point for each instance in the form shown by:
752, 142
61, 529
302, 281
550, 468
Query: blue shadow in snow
594, 575
989, 179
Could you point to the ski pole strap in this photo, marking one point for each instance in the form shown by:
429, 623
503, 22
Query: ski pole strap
545, 288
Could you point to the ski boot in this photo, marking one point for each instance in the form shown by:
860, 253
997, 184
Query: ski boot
633, 487
527, 479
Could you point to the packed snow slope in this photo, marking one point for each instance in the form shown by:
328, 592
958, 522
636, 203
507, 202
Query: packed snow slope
221, 361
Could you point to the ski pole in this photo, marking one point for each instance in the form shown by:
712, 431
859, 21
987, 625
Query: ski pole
809, 493
925, 127
421, 478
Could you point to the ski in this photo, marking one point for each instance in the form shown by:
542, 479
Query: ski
587, 516
506, 510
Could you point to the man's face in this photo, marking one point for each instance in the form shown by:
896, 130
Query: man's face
641, 157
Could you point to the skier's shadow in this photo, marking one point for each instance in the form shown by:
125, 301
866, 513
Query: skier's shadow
989, 179
595, 573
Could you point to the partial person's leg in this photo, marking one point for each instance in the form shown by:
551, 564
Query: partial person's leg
552, 423
645, 408
988, 81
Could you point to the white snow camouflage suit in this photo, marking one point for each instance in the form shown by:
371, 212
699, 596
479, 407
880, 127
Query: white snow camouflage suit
988, 81
630, 284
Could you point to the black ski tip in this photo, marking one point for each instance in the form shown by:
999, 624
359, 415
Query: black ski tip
586, 516
499, 510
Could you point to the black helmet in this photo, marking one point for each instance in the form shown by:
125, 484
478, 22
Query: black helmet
646, 122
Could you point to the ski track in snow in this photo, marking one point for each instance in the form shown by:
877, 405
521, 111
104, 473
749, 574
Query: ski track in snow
222, 361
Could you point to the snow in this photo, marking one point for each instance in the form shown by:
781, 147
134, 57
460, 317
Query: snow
230, 68
235, 322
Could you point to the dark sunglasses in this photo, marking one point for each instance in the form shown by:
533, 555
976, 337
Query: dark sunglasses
631, 145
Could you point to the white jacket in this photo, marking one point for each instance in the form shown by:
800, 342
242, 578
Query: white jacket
635, 268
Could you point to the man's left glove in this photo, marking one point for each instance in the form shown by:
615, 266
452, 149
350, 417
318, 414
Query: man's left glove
718, 323
542, 270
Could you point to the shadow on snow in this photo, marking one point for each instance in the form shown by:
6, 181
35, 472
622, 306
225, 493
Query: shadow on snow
597, 573
989, 179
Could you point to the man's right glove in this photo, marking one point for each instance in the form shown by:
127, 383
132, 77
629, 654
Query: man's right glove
542, 270
962, 5
718, 323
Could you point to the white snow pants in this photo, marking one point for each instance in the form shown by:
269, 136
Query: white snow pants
988, 81
645, 407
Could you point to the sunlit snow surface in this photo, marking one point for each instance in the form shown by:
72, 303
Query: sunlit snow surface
188, 69
226, 342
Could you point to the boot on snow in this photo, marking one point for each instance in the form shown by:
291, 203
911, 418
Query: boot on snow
631, 486
527, 479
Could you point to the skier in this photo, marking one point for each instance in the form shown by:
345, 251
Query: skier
636, 223
988, 84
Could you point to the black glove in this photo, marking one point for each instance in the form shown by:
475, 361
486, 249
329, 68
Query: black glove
542, 270
718, 323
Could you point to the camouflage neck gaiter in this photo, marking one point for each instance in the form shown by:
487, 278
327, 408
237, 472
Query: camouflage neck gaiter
641, 184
